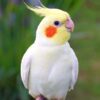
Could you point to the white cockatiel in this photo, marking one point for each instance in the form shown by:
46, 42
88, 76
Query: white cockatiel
49, 68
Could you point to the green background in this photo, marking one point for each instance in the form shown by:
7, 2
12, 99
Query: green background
17, 33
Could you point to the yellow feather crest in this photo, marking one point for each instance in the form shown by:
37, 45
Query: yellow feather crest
44, 11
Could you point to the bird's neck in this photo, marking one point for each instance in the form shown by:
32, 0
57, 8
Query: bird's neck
43, 43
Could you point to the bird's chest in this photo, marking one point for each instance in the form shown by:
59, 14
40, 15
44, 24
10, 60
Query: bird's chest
46, 60
43, 60
50, 71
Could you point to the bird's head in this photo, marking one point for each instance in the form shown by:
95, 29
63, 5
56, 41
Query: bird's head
55, 28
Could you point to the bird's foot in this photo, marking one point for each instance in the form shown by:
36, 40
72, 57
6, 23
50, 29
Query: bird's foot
40, 97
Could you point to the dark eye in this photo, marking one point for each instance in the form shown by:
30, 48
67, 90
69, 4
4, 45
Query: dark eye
57, 23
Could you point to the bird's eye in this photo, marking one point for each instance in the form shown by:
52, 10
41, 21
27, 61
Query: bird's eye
56, 23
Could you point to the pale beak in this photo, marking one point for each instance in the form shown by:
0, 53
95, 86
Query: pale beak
70, 25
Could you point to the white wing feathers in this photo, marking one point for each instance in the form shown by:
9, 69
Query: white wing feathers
74, 69
25, 67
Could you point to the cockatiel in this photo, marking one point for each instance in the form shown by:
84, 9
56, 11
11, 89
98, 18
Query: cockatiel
49, 68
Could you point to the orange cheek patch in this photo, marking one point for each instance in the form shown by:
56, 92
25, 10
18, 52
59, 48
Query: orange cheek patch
50, 31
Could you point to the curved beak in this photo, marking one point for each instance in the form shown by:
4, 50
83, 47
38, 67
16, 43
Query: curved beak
70, 25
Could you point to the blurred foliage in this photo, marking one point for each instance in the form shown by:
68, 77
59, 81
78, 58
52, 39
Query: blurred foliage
17, 33
72, 6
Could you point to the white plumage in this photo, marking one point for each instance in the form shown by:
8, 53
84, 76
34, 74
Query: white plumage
44, 73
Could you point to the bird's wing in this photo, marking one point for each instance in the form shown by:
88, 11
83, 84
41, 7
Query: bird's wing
74, 68
25, 66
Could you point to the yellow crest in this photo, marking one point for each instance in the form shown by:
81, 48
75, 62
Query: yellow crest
44, 11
